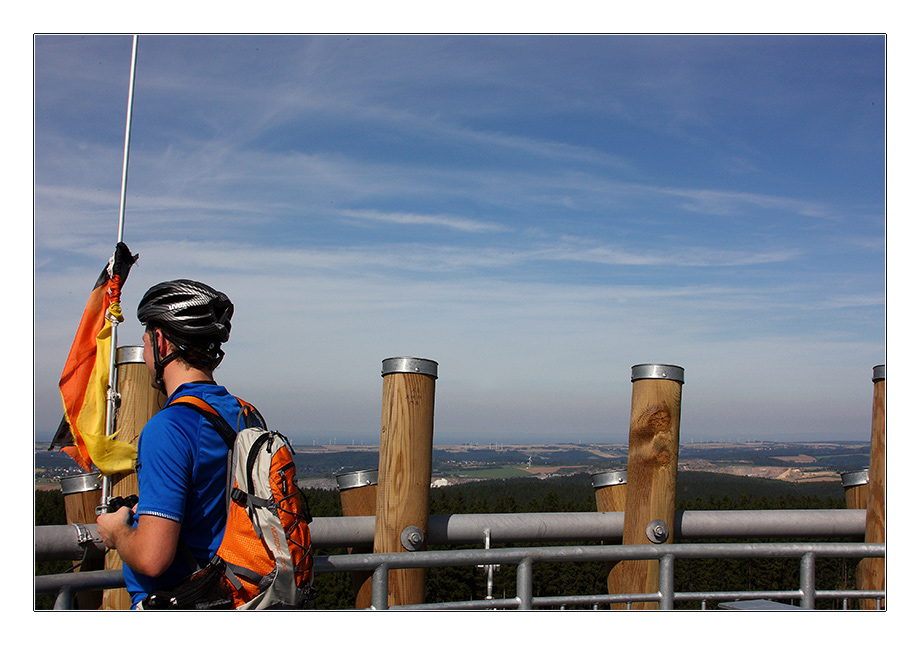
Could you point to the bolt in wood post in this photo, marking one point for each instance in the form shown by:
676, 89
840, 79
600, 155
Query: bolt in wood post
874, 575
406, 437
610, 497
358, 492
654, 437
138, 402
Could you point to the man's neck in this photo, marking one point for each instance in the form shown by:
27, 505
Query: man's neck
182, 374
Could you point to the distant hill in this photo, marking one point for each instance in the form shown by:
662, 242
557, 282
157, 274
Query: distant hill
473, 462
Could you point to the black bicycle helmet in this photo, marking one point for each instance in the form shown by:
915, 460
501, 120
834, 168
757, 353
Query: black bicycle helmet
192, 315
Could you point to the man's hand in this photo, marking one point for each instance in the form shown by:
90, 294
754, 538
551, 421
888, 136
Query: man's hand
112, 526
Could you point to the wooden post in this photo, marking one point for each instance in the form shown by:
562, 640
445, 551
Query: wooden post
138, 402
856, 491
82, 494
358, 492
874, 577
406, 436
610, 497
654, 437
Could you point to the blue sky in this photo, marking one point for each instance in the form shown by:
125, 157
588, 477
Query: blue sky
535, 213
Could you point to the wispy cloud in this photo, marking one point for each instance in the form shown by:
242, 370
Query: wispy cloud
463, 224
716, 202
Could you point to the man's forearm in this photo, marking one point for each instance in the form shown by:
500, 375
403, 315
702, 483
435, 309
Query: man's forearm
148, 549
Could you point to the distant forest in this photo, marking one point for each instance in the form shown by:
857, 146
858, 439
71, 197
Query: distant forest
696, 491
838, 457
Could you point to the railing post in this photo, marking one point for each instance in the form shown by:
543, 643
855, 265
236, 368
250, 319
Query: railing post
666, 582
525, 583
139, 402
358, 493
63, 600
654, 429
379, 587
874, 573
610, 497
403, 490
807, 580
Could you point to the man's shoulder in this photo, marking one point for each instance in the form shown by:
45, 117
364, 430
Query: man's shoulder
171, 424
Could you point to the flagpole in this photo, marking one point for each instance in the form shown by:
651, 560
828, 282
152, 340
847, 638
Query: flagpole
112, 396
124, 167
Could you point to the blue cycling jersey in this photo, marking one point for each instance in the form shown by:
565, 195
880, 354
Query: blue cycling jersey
182, 476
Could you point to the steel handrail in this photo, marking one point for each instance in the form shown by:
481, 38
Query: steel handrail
525, 557
68, 541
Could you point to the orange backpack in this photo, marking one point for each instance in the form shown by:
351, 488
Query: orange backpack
265, 558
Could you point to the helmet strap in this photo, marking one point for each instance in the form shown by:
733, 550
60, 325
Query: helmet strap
160, 362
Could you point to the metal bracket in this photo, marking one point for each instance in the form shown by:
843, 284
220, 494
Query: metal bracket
84, 536
657, 531
412, 538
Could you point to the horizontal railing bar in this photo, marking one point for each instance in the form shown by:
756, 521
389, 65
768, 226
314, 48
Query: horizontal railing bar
332, 532
495, 603
72, 582
826, 594
62, 542
591, 553
79, 581
67, 542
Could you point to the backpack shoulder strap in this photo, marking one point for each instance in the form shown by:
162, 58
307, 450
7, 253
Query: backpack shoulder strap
249, 416
223, 428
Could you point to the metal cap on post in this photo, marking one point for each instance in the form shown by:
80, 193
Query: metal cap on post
659, 371
84, 482
357, 479
854, 478
878, 373
409, 365
129, 354
612, 478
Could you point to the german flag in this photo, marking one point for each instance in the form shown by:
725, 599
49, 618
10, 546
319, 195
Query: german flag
85, 379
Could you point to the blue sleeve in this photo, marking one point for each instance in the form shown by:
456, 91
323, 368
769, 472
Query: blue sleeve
165, 466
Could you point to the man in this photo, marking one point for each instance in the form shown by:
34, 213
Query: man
182, 459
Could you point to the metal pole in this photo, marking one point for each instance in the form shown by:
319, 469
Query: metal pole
666, 582
807, 580
124, 166
65, 542
112, 396
379, 587
525, 583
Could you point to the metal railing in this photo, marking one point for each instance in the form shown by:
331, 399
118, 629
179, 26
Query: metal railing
74, 541
666, 554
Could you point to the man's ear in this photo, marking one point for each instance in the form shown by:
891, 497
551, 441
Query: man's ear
162, 344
